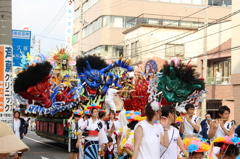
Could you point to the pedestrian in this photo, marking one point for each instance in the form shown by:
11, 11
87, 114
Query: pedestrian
190, 125
218, 77
10, 145
82, 137
26, 126
148, 136
73, 136
205, 126
174, 137
102, 117
109, 123
129, 144
108, 149
18, 125
234, 123
95, 134
221, 127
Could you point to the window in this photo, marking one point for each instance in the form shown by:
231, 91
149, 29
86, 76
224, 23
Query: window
118, 22
170, 22
76, 37
127, 51
77, 13
225, 3
187, 1
224, 67
137, 47
153, 21
133, 49
117, 51
197, 2
174, 50
130, 22
176, 1
107, 21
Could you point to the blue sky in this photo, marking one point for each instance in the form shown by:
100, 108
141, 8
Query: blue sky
39, 14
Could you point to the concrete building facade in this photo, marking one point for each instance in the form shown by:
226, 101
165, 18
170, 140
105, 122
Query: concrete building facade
99, 24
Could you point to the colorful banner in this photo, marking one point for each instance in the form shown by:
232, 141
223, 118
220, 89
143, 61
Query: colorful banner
6, 107
69, 27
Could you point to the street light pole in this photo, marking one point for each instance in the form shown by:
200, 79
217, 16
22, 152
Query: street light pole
204, 73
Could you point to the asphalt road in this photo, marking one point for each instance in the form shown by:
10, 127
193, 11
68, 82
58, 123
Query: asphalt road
41, 148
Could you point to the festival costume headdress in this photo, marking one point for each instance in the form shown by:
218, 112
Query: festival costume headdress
227, 140
78, 112
87, 112
102, 110
94, 106
178, 119
196, 145
133, 116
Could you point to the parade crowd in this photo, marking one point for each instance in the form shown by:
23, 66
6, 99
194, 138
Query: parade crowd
160, 133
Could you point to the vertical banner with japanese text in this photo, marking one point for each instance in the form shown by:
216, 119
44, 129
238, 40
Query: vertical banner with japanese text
69, 27
6, 107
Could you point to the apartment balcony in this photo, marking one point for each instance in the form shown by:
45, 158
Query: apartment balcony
166, 20
218, 81
219, 89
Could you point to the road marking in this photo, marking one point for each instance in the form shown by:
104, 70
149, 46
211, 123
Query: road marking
43, 152
44, 157
44, 143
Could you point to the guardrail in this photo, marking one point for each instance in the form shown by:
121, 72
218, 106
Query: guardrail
218, 80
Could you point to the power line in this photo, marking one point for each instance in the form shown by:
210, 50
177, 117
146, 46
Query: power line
54, 25
64, 5
200, 38
106, 6
169, 24
205, 26
159, 28
220, 51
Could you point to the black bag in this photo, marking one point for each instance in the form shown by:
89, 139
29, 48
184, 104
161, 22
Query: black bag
85, 132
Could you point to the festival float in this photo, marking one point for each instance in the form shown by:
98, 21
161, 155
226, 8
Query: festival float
50, 88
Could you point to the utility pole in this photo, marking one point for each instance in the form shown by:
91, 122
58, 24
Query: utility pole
39, 46
204, 74
82, 21
6, 55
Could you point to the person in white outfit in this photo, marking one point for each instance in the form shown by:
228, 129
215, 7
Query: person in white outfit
109, 103
221, 127
148, 136
175, 140
190, 126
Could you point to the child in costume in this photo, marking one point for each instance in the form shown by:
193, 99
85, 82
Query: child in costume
129, 144
225, 148
108, 149
82, 137
196, 147
175, 140
73, 138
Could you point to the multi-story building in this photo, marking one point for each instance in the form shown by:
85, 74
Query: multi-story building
99, 24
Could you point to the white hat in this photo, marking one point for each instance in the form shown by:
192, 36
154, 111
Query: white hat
9, 142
